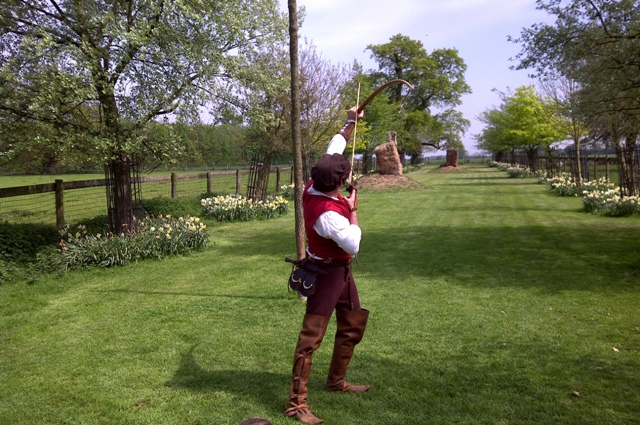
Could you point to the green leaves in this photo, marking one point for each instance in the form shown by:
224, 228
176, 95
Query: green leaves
425, 115
105, 71
521, 122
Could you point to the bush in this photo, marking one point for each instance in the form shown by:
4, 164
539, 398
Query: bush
151, 238
22, 242
609, 202
8, 271
288, 191
562, 185
514, 171
519, 172
241, 208
169, 206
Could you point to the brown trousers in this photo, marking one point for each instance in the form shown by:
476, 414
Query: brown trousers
334, 290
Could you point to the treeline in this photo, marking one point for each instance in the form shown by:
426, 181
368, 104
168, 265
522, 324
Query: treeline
588, 91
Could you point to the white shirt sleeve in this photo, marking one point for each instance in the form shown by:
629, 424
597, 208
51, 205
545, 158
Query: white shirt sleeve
332, 225
337, 145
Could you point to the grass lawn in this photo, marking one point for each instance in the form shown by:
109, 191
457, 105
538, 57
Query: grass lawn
492, 302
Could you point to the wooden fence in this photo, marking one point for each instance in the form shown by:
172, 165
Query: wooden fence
49, 203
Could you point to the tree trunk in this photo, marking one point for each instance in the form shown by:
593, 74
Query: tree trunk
578, 176
366, 162
532, 156
295, 127
50, 166
122, 198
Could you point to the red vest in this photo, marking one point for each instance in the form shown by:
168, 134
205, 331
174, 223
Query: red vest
313, 206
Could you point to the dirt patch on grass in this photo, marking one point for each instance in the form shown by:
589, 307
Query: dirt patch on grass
377, 181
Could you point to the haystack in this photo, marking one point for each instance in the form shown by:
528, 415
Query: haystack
388, 158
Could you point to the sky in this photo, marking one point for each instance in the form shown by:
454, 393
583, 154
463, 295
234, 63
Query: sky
478, 29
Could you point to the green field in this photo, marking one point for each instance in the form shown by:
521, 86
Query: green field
492, 302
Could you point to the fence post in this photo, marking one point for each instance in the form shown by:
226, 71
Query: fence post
59, 186
208, 182
277, 179
607, 169
238, 181
595, 168
174, 185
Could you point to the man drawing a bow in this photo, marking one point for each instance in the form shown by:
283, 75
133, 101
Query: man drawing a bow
333, 237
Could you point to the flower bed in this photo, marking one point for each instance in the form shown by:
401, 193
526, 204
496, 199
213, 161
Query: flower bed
288, 191
241, 208
609, 202
514, 171
151, 238
562, 185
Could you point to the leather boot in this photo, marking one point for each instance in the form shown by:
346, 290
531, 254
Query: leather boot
349, 332
313, 329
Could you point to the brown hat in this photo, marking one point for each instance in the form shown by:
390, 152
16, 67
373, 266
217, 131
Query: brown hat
330, 172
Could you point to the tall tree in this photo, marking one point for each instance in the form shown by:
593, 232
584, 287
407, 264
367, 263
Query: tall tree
439, 83
562, 96
521, 123
105, 69
597, 44
594, 42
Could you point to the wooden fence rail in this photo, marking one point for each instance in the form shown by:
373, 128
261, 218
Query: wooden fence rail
59, 187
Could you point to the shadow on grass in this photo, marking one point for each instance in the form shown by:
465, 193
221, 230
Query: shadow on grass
551, 259
418, 387
266, 388
188, 294
427, 386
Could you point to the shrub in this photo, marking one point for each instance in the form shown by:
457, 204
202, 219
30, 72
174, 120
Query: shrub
151, 238
514, 171
519, 171
288, 191
609, 202
241, 208
600, 185
170, 206
8, 271
22, 242
562, 185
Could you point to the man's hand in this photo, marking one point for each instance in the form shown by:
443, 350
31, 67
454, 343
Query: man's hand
352, 114
352, 200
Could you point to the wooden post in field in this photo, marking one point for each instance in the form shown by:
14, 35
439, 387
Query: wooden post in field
59, 185
238, 180
208, 182
277, 179
174, 185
